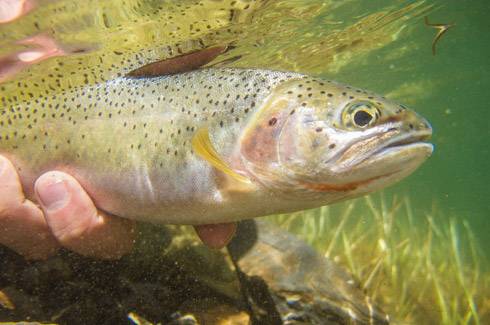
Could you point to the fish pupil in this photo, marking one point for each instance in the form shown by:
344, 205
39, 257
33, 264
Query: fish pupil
362, 118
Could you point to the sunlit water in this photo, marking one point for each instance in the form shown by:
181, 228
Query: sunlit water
381, 45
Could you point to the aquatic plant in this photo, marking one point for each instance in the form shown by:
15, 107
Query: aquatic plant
421, 269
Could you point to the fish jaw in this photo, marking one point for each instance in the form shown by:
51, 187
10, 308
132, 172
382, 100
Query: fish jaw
384, 168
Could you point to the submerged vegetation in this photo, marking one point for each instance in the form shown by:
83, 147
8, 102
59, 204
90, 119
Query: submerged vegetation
420, 269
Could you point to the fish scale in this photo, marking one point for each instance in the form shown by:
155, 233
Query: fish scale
129, 141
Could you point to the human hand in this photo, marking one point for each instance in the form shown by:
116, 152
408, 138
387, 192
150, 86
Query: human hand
65, 216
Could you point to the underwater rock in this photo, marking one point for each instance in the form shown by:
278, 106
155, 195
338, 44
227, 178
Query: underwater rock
305, 287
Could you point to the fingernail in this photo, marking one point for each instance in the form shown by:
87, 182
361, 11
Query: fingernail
1, 165
53, 194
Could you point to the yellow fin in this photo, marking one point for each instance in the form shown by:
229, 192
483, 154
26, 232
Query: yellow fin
203, 146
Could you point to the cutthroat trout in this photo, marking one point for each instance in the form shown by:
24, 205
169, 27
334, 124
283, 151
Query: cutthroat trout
216, 145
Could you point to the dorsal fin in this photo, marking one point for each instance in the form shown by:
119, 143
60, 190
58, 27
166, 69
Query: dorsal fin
184, 63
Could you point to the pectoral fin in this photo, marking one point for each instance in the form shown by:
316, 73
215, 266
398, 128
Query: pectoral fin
203, 146
230, 181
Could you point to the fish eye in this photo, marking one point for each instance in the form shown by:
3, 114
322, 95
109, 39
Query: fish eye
360, 115
362, 118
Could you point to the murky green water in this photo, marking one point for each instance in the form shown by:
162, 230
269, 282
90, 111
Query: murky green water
380, 45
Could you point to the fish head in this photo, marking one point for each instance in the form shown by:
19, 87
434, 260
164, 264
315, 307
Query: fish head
316, 136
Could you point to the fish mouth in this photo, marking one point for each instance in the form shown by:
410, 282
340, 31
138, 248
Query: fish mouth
413, 140
383, 145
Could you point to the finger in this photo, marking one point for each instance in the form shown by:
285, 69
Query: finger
22, 224
76, 222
